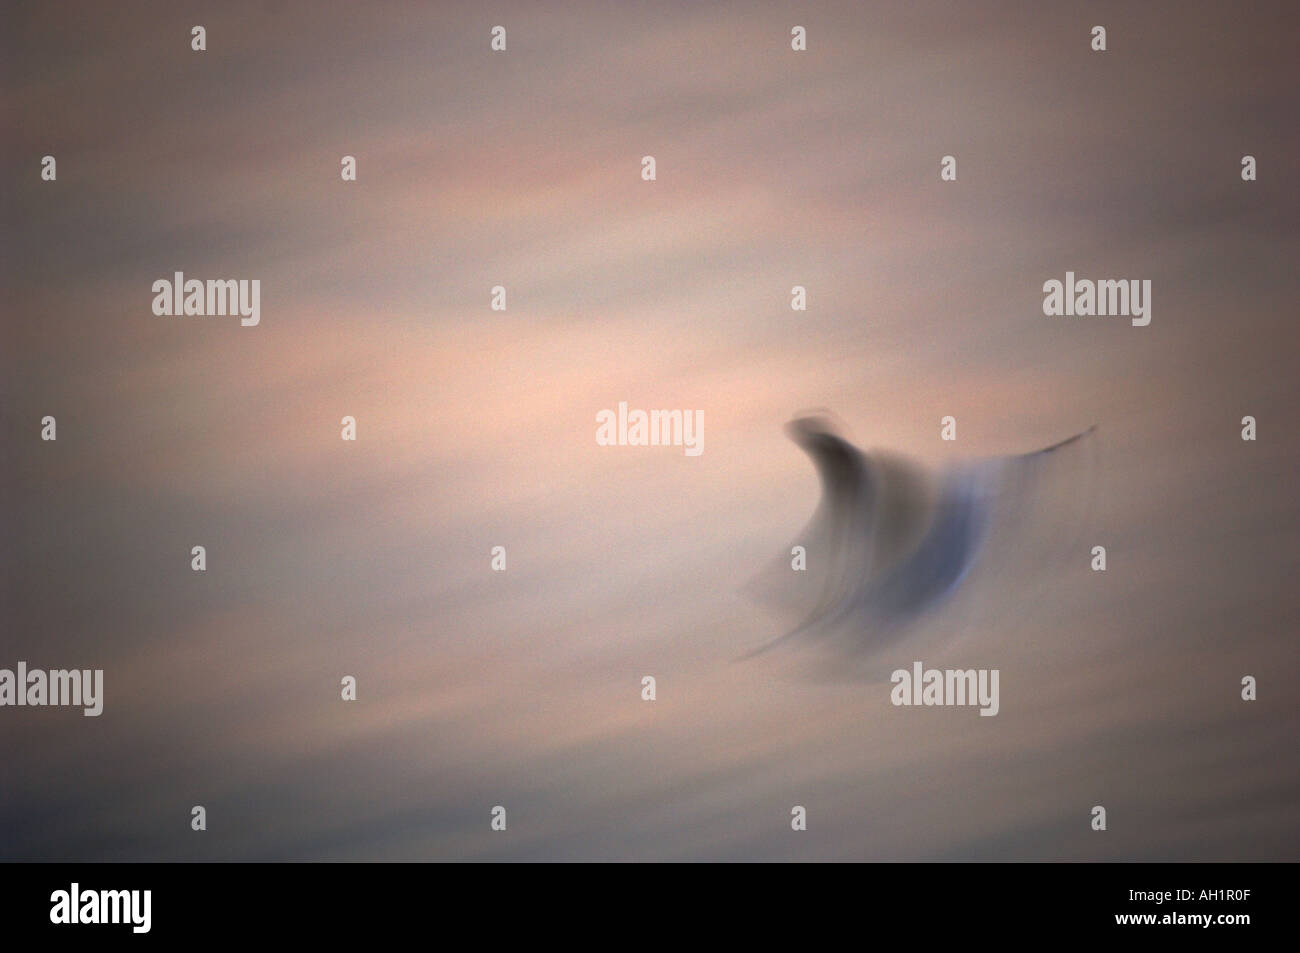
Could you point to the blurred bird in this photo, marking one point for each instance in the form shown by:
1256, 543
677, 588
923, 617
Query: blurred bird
890, 541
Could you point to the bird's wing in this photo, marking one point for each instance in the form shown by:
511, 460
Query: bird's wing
980, 502
837, 535
1015, 517
872, 512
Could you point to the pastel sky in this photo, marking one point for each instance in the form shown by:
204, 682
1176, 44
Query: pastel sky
476, 428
